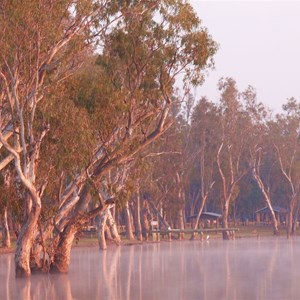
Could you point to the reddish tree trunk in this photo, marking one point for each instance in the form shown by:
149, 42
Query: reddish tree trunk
62, 255
25, 242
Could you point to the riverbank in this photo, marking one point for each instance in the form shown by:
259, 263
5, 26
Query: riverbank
250, 231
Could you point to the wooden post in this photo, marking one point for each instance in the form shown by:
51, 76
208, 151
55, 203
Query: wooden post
258, 217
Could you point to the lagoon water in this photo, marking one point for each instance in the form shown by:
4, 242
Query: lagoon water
240, 269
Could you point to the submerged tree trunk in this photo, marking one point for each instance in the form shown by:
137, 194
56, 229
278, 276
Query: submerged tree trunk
67, 229
37, 258
128, 222
62, 254
6, 242
25, 242
101, 230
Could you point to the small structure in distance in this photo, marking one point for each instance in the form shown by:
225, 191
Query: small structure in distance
263, 215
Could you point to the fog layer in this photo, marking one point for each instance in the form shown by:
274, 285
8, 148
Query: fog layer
240, 269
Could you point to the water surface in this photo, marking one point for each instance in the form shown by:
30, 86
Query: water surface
241, 269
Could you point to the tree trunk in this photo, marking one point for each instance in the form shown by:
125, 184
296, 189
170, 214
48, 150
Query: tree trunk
36, 261
289, 224
226, 235
290, 217
25, 242
158, 214
137, 218
295, 218
267, 200
145, 221
234, 213
101, 230
128, 222
182, 203
62, 252
274, 220
113, 227
181, 223
62, 246
203, 200
227, 191
5, 230
107, 233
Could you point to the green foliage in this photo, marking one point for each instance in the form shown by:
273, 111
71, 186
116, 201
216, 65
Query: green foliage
10, 194
118, 96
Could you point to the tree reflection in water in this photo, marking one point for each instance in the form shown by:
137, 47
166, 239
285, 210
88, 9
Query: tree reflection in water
240, 269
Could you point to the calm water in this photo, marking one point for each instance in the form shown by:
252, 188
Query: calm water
240, 269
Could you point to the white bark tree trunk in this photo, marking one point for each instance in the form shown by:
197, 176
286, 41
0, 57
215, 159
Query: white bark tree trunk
6, 241
128, 222
267, 200
137, 217
101, 230
113, 228
289, 229
25, 242
202, 203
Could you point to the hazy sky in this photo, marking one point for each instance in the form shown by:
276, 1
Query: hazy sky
259, 46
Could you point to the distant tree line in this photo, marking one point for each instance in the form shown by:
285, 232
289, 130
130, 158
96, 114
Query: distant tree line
231, 156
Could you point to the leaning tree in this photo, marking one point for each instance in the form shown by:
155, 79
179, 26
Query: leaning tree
147, 45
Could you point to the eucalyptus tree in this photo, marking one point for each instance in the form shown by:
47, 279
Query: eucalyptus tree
142, 55
140, 175
106, 224
205, 137
261, 155
174, 165
232, 149
38, 39
284, 131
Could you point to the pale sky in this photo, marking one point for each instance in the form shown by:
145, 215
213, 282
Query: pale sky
259, 46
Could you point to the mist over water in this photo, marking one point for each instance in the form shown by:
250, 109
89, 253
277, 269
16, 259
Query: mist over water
241, 269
